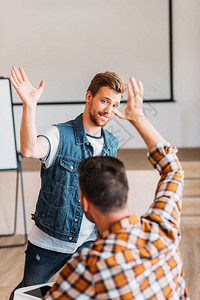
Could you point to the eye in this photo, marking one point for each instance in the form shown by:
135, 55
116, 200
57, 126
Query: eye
103, 101
115, 105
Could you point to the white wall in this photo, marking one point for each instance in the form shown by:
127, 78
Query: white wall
178, 122
66, 42
138, 201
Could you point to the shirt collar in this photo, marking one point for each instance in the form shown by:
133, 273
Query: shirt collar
122, 224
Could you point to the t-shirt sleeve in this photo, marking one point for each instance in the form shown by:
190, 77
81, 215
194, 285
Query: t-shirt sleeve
53, 137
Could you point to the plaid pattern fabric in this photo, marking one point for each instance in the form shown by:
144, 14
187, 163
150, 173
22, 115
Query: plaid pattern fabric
134, 259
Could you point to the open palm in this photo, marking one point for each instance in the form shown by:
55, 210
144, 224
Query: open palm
134, 108
27, 93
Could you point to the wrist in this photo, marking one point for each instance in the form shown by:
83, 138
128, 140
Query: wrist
140, 120
29, 106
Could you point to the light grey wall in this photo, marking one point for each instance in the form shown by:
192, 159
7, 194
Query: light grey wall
178, 122
66, 42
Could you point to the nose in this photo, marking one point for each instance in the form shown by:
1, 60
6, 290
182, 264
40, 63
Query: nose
108, 109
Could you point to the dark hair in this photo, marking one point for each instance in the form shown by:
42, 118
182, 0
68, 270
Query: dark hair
103, 181
110, 79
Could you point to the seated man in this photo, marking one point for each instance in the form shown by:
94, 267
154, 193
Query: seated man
131, 258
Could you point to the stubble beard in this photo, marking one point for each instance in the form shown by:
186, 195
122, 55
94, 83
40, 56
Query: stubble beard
94, 116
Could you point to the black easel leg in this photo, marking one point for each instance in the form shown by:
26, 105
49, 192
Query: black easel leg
19, 170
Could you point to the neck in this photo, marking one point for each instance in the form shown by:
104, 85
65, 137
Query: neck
105, 221
89, 126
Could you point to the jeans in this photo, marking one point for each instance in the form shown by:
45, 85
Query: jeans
41, 265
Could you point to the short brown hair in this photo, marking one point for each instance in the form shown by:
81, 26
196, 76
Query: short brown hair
110, 79
103, 181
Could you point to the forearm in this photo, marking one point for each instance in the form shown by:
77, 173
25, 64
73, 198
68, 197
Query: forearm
28, 132
146, 130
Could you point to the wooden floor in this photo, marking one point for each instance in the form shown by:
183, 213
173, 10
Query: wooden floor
11, 266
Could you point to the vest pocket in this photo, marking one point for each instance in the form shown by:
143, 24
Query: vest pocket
58, 209
68, 173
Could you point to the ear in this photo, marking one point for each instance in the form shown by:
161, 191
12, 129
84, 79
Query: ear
85, 204
88, 96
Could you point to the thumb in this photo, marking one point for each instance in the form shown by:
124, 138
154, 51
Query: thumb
41, 86
119, 114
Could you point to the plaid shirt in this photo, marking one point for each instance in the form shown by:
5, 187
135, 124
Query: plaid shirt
134, 259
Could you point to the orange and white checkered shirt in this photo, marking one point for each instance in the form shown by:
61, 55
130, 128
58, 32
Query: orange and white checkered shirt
134, 259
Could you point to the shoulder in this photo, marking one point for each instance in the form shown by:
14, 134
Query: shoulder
66, 124
66, 127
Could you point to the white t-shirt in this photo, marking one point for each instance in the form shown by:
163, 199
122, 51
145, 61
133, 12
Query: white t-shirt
87, 230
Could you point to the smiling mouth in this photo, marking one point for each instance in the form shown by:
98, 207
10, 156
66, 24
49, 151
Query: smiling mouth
103, 116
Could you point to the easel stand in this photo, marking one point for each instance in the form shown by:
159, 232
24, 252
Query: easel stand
19, 174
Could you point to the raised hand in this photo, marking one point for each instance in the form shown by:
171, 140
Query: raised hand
28, 94
133, 110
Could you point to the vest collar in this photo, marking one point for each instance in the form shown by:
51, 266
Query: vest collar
81, 137
80, 134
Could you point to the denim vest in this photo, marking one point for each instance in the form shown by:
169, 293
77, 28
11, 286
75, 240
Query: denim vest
58, 210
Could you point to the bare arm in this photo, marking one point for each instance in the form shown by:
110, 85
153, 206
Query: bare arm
30, 144
134, 113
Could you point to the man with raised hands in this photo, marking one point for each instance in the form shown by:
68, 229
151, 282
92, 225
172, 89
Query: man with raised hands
60, 227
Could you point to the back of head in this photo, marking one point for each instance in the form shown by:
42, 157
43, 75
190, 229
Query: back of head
110, 79
104, 183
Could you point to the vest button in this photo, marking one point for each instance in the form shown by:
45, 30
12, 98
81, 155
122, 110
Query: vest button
87, 143
70, 238
76, 220
72, 167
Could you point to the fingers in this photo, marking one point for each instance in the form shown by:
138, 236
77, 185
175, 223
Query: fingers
23, 74
119, 114
19, 77
130, 93
134, 86
137, 87
135, 90
141, 88
15, 77
41, 86
138, 90
13, 82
